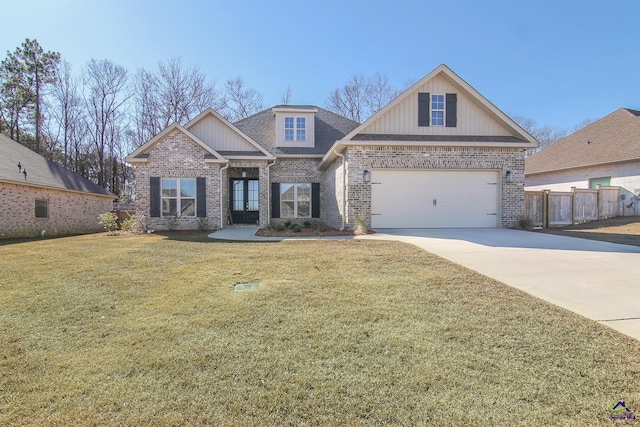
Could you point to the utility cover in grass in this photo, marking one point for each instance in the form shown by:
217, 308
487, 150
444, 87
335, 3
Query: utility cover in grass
240, 287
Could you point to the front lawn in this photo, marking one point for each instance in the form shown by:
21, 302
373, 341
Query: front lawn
147, 330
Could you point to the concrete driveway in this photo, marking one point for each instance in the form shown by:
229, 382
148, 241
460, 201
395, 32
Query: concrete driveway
598, 280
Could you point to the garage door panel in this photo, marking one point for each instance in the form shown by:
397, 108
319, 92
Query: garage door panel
434, 199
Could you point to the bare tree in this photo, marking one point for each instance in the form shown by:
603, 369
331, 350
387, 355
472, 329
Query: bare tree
285, 99
582, 124
380, 93
240, 102
546, 135
351, 100
146, 117
105, 97
172, 94
67, 115
362, 97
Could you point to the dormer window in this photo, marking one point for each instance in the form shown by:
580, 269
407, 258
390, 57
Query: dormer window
295, 129
295, 126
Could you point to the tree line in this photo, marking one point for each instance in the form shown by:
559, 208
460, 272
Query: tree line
89, 120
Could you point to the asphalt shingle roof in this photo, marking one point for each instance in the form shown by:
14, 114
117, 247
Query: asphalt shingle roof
329, 127
614, 138
40, 171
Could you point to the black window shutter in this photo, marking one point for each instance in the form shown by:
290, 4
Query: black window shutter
315, 200
201, 194
452, 110
275, 200
423, 109
154, 196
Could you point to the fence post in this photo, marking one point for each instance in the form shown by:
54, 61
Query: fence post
545, 208
574, 205
599, 202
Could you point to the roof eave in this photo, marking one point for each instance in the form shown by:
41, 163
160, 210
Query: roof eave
50, 187
453, 143
300, 156
616, 162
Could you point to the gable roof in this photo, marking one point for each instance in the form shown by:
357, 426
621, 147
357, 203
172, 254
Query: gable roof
40, 171
140, 155
251, 147
612, 139
251, 150
518, 136
329, 127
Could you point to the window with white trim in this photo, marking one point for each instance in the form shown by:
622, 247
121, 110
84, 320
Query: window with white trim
178, 196
42, 208
295, 200
437, 110
295, 129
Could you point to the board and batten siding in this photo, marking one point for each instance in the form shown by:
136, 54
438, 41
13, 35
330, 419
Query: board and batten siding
219, 136
402, 119
309, 129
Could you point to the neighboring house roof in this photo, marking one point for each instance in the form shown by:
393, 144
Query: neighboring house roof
40, 171
329, 127
517, 136
614, 138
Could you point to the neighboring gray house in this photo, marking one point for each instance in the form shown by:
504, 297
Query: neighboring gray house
38, 195
607, 152
439, 155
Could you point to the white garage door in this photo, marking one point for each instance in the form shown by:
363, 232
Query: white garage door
434, 199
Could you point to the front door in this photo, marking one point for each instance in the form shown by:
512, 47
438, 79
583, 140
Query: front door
244, 201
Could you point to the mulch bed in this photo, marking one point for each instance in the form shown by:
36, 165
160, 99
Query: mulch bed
307, 232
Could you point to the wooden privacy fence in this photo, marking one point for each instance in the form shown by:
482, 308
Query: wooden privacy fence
548, 208
124, 210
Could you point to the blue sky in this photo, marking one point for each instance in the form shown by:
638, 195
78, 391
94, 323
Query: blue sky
557, 62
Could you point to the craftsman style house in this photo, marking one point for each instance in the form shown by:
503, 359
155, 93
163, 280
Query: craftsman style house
439, 155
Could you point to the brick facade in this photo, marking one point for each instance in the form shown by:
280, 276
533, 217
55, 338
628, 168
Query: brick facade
363, 157
334, 189
298, 171
177, 156
68, 212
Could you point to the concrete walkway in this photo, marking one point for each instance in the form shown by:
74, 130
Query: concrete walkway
598, 280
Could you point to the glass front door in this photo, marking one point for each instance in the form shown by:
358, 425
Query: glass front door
245, 198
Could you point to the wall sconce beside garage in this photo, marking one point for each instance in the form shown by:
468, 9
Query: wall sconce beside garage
509, 177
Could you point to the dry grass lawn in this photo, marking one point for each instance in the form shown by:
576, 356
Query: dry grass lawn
147, 330
623, 229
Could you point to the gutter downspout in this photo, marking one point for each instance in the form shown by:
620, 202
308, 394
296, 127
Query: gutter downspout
344, 188
269, 192
222, 213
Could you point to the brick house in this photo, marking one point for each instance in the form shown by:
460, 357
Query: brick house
38, 195
439, 155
